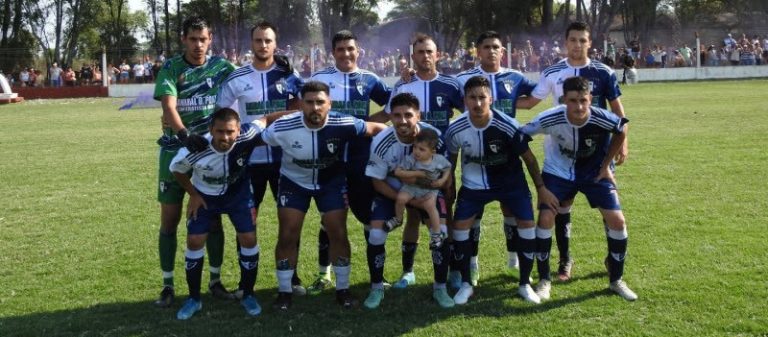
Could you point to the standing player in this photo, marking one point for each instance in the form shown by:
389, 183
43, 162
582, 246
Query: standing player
389, 149
219, 185
312, 167
604, 88
507, 85
491, 145
438, 96
186, 86
584, 141
351, 91
265, 86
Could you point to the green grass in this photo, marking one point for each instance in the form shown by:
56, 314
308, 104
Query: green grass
78, 234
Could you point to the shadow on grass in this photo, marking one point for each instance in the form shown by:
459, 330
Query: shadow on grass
402, 311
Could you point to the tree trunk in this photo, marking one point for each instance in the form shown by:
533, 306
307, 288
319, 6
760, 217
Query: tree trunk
6, 21
178, 24
59, 12
71, 43
167, 29
546, 18
18, 15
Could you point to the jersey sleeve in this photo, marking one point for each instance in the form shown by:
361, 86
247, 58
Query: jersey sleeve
612, 90
377, 168
165, 85
295, 83
533, 127
609, 121
542, 89
520, 142
179, 163
380, 92
457, 99
452, 142
526, 86
226, 97
360, 127
269, 137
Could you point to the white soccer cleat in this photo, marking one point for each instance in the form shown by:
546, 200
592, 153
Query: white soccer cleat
527, 293
462, 296
543, 289
622, 290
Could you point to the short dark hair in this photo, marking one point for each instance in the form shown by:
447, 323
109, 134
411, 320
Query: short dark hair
429, 137
195, 23
475, 82
421, 38
342, 35
577, 26
264, 25
488, 34
577, 83
225, 115
315, 86
405, 98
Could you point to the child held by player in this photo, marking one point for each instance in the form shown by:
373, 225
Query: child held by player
431, 171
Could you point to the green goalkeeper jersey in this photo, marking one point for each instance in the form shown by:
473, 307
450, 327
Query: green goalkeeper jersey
195, 88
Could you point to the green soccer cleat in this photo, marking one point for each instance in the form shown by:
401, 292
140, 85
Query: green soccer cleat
374, 298
442, 298
322, 283
474, 276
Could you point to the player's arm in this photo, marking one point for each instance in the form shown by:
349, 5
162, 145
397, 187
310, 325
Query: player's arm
373, 128
623, 153
409, 176
171, 116
545, 196
442, 182
384, 189
527, 102
617, 142
379, 117
195, 199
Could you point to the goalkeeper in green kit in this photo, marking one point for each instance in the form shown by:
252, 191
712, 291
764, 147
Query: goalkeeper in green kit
187, 86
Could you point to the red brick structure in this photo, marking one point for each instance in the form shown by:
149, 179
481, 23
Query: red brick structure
62, 92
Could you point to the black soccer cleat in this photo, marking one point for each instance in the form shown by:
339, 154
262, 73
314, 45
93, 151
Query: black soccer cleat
166, 297
283, 301
345, 299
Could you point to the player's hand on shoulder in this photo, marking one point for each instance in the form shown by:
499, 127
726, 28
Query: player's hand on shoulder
282, 60
407, 73
169, 142
194, 143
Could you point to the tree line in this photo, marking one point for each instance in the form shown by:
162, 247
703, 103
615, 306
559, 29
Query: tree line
64, 30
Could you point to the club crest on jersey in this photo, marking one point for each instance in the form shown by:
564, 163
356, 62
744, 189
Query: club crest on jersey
495, 146
332, 145
591, 86
439, 100
280, 86
588, 142
240, 162
209, 81
283, 200
508, 86
360, 88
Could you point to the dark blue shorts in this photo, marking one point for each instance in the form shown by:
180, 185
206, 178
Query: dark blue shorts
383, 208
332, 196
600, 194
470, 203
238, 206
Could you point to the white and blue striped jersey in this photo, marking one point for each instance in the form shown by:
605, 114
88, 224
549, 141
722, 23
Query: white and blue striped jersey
506, 86
312, 157
437, 98
575, 152
216, 173
603, 84
351, 93
254, 93
388, 152
490, 156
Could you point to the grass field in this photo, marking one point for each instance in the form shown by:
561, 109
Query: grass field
78, 235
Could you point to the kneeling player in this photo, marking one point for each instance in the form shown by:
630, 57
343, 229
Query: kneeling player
577, 158
219, 186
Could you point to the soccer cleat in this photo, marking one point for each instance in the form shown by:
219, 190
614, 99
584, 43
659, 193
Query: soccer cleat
297, 288
443, 299
392, 223
166, 297
238, 294
251, 306
374, 298
345, 299
474, 276
454, 279
322, 282
512, 262
188, 309
218, 291
526, 292
408, 279
622, 290
283, 301
564, 270
436, 240
543, 289
462, 296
